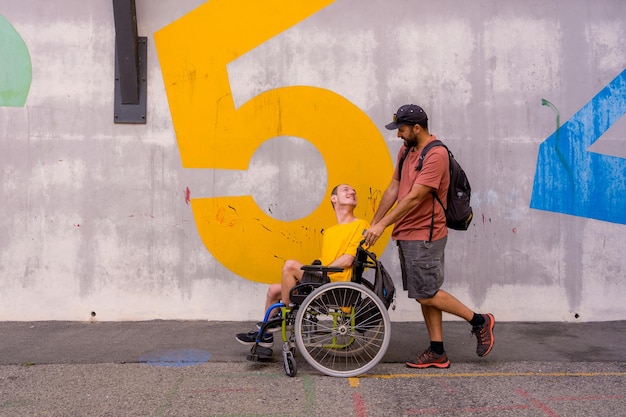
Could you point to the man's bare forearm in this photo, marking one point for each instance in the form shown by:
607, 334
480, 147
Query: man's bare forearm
400, 210
415, 196
412, 199
388, 200
344, 261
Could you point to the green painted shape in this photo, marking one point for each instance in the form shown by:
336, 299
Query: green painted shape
16, 71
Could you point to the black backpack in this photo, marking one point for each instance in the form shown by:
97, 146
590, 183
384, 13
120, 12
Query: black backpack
368, 314
459, 212
383, 285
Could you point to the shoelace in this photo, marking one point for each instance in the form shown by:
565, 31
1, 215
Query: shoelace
480, 332
426, 356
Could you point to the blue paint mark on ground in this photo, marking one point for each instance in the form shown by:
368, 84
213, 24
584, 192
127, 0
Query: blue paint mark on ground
176, 357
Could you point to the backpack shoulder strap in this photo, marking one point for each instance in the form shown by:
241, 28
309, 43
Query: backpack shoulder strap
427, 148
425, 151
406, 152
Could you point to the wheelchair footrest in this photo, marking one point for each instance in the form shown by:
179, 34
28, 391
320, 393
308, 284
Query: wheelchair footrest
259, 354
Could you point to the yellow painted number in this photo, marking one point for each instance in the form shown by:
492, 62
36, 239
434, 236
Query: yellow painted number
194, 52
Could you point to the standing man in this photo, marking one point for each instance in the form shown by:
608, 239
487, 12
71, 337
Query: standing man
422, 258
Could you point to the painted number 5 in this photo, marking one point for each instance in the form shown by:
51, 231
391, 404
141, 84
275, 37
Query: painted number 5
194, 52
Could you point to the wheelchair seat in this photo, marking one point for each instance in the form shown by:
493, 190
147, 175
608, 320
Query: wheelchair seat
315, 275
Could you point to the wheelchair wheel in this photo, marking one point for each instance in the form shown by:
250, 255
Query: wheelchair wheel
342, 329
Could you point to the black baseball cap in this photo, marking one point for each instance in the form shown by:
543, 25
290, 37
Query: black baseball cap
409, 114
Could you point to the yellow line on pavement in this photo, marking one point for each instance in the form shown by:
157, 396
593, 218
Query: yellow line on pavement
492, 374
354, 382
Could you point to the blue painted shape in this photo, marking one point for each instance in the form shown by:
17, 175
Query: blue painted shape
176, 357
571, 180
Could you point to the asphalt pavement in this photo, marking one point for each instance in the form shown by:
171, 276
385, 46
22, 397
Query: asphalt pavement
196, 368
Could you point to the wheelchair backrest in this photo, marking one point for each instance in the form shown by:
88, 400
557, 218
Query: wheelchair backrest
363, 260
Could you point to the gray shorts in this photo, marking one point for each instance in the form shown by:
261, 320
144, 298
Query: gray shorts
422, 265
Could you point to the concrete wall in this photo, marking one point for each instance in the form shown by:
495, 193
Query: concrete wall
257, 108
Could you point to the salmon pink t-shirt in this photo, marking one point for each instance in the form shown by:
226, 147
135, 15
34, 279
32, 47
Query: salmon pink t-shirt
435, 173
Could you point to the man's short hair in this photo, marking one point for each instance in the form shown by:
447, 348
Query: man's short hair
334, 192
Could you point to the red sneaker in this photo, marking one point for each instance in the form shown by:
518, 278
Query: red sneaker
429, 358
484, 335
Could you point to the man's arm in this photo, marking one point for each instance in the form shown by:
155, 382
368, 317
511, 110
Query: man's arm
413, 198
344, 261
389, 198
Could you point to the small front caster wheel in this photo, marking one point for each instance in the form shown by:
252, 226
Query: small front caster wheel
289, 362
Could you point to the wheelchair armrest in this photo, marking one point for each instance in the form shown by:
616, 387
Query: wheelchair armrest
321, 268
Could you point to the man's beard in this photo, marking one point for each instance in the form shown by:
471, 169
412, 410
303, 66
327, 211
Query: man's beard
409, 143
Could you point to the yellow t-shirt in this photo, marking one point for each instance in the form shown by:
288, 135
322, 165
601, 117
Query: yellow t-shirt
342, 239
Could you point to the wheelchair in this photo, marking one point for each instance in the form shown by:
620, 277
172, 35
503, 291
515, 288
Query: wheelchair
342, 329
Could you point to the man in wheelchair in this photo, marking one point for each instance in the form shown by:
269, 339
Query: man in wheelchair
339, 246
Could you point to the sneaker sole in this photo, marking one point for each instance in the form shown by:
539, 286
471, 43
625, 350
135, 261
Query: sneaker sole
428, 365
262, 344
492, 324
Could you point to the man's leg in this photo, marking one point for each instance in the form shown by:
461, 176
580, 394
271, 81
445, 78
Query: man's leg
272, 297
292, 274
267, 340
435, 355
423, 265
432, 310
433, 321
482, 324
444, 301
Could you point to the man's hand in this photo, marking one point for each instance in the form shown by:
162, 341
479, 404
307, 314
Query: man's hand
372, 234
408, 202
